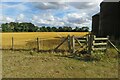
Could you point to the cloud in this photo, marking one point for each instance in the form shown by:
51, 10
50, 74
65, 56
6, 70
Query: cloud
20, 18
50, 20
71, 19
75, 18
55, 0
49, 5
14, 6
6, 19
83, 5
65, 5
44, 6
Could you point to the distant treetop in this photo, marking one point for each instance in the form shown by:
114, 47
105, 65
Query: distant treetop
29, 27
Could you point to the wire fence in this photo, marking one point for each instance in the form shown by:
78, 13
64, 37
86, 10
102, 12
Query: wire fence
33, 44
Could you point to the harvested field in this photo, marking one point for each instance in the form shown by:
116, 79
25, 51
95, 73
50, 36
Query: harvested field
27, 40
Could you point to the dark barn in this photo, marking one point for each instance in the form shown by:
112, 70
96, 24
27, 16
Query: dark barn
95, 24
109, 20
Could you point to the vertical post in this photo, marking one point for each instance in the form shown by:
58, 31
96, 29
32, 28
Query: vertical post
37, 44
93, 41
69, 44
90, 41
107, 46
12, 43
89, 48
73, 44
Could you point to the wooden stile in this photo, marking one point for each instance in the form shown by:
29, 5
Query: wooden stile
100, 39
99, 45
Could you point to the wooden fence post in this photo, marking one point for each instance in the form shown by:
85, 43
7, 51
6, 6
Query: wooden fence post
69, 44
93, 41
37, 44
12, 43
73, 44
90, 41
107, 43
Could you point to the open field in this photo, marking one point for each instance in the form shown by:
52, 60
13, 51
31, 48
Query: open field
30, 64
20, 64
25, 39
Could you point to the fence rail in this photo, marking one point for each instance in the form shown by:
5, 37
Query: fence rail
99, 43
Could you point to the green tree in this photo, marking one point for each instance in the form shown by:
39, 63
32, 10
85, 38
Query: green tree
85, 29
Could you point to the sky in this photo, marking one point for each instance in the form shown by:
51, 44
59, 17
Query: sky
52, 13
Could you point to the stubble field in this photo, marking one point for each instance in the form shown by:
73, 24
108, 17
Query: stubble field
47, 40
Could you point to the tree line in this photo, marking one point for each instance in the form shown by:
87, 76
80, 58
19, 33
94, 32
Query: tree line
29, 27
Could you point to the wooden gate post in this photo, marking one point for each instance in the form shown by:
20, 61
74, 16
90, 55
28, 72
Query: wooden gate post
107, 43
69, 43
90, 41
73, 44
12, 43
37, 44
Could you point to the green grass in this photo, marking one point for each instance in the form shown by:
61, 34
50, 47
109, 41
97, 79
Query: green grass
23, 64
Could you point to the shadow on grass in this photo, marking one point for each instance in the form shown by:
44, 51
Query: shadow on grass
62, 53
82, 57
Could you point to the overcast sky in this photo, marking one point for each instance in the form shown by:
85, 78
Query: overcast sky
50, 13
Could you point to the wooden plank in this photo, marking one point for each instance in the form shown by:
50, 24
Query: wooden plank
82, 40
61, 43
81, 37
100, 39
114, 46
81, 49
95, 49
73, 44
78, 42
99, 44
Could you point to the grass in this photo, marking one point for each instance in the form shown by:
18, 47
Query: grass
23, 64
30, 64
